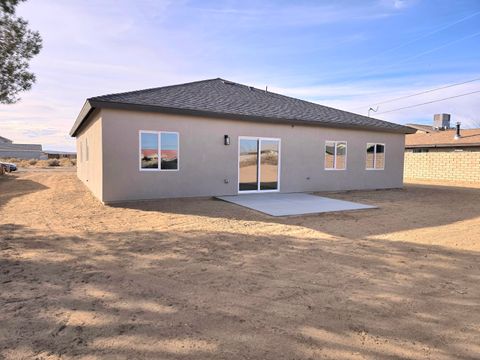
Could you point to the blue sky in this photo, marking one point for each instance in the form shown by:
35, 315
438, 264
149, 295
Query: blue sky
345, 54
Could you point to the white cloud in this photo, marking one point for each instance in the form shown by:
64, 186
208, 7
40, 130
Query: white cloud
266, 14
92, 48
396, 4
399, 4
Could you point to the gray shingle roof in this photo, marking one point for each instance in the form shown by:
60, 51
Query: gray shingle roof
226, 99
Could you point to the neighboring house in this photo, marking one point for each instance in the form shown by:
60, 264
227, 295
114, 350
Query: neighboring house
20, 151
53, 154
4, 140
217, 137
450, 154
440, 122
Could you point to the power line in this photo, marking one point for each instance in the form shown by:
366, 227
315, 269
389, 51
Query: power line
428, 102
424, 36
419, 93
376, 71
424, 53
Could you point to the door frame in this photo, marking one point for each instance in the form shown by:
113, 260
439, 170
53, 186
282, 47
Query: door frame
259, 168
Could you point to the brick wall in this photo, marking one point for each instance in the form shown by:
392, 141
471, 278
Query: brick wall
443, 165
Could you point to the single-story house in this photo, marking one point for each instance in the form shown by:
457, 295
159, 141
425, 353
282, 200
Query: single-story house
216, 137
443, 153
9, 149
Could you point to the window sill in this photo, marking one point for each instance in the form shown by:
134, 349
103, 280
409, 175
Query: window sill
158, 170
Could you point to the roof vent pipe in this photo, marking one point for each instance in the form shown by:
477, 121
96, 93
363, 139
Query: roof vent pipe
457, 133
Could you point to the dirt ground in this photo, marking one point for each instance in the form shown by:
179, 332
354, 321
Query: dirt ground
205, 279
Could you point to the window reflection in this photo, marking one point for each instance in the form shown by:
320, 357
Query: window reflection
269, 165
330, 155
169, 151
341, 157
370, 161
380, 157
149, 151
248, 164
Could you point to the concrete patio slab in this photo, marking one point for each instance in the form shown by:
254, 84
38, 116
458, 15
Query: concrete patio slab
276, 204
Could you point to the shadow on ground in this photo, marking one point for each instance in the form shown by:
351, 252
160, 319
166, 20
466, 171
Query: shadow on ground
12, 186
217, 295
414, 207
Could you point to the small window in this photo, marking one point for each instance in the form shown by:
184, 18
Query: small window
420, 150
158, 150
86, 150
335, 155
80, 151
375, 157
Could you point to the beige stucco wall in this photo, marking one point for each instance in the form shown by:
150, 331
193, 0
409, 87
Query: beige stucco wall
205, 162
90, 171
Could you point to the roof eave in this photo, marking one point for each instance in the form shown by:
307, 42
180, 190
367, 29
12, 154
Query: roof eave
441, 145
87, 108
92, 104
410, 129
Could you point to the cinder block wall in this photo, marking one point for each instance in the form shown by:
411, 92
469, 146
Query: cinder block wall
443, 165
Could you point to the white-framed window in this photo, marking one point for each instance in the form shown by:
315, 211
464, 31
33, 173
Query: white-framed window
80, 155
158, 151
375, 156
335, 155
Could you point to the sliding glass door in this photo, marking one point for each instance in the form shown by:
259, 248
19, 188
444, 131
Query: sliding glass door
248, 165
259, 164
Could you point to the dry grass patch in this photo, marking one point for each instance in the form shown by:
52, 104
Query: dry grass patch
24, 163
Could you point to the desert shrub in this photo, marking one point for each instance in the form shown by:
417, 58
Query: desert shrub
74, 162
22, 163
42, 163
66, 162
2, 170
10, 160
53, 162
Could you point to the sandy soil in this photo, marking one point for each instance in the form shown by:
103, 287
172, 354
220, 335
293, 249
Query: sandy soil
249, 173
205, 279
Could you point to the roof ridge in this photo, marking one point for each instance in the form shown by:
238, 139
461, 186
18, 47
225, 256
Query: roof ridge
154, 88
305, 101
240, 84
325, 106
